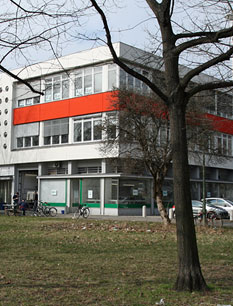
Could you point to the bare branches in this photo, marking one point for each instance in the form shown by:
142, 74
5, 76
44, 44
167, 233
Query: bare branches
117, 60
209, 86
222, 57
204, 38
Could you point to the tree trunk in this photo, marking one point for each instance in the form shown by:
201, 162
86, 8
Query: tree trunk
189, 275
159, 200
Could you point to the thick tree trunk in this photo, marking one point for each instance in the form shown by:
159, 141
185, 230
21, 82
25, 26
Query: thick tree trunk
189, 275
158, 197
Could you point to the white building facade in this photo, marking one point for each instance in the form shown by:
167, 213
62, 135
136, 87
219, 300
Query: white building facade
51, 143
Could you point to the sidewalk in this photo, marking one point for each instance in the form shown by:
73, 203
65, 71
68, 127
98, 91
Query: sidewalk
119, 218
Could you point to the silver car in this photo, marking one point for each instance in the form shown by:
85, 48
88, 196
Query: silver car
221, 202
211, 210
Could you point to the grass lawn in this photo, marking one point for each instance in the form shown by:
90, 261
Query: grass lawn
86, 262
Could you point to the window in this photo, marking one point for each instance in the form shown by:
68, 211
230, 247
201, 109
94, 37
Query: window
223, 144
97, 129
88, 81
35, 141
29, 101
27, 142
56, 131
130, 82
20, 142
111, 126
56, 88
112, 69
78, 131
87, 129
97, 79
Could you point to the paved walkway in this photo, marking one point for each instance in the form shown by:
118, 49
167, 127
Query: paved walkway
121, 218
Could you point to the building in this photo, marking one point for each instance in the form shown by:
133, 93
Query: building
50, 142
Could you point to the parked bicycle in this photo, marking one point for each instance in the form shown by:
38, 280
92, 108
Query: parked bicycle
81, 211
13, 210
43, 210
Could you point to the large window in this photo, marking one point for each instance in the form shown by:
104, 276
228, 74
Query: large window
56, 88
131, 83
88, 129
134, 191
88, 81
91, 191
56, 131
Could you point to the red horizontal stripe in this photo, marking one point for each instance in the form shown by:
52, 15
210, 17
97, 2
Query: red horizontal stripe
91, 104
221, 124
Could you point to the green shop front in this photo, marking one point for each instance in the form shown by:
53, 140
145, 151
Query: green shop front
103, 195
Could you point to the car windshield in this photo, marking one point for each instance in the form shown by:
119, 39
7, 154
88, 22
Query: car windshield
229, 201
197, 203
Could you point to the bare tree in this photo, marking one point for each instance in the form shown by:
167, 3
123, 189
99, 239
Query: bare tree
176, 96
143, 139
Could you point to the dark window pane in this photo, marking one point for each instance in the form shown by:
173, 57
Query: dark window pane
47, 140
35, 141
28, 142
55, 139
87, 131
64, 138
78, 131
20, 142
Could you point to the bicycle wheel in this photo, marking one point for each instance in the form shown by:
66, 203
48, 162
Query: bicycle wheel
10, 212
86, 212
39, 212
52, 212
211, 215
77, 213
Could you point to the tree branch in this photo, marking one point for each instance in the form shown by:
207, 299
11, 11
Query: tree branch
207, 37
120, 63
194, 72
21, 80
209, 86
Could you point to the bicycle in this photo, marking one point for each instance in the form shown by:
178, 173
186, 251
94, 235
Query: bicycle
81, 211
43, 210
13, 210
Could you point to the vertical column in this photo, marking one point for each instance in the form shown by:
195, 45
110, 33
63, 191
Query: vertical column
40, 172
41, 134
102, 189
68, 192
68, 188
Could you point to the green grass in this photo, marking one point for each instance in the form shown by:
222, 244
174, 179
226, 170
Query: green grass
87, 262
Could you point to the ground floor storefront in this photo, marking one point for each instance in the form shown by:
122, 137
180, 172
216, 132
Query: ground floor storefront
105, 193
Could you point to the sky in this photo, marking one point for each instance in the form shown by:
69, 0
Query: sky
128, 23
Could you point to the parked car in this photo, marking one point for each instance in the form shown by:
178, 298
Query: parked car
221, 202
211, 210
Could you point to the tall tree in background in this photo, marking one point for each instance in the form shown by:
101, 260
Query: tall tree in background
175, 96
